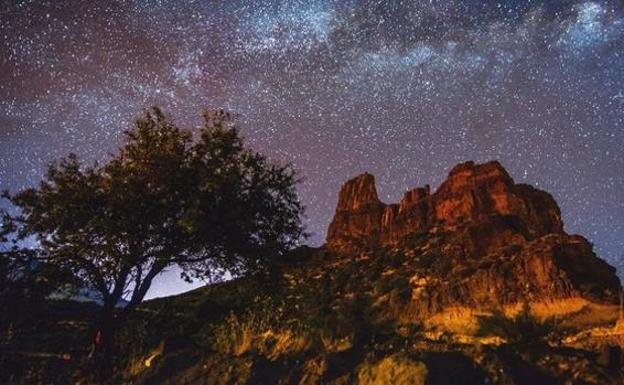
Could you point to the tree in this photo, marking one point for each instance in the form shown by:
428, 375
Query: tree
209, 205
21, 277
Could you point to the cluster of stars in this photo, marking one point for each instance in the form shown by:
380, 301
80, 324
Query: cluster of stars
401, 89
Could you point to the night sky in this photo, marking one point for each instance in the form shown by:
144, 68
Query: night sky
404, 90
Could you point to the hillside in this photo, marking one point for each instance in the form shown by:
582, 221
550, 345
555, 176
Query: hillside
474, 283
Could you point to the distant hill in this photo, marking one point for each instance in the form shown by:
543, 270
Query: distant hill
82, 295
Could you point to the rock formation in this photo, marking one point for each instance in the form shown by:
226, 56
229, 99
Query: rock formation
499, 242
359, 214
472, 193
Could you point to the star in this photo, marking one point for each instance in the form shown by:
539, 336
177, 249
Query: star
403, 90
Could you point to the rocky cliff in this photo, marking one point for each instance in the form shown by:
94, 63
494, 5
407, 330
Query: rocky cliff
479, 240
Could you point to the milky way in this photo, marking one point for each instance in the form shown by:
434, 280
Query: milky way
404, 90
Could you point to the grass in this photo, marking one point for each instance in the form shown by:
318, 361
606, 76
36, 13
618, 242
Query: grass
396, 369
261, 333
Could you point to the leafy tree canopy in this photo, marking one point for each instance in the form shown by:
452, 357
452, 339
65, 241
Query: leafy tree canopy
207, 204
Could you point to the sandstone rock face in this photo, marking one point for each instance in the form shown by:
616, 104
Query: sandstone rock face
359, 214
549, 268
496, 241
472, 193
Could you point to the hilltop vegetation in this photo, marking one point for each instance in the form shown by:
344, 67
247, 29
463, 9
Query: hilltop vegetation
330, 320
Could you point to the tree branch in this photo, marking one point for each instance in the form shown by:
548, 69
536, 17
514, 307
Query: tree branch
141, 289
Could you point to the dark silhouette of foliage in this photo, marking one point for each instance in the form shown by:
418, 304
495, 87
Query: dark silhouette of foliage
521, 330
22, 276
209, 205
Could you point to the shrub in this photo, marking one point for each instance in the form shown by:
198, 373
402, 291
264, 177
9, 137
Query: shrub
397, 369
523, 329
262, 333
401, 287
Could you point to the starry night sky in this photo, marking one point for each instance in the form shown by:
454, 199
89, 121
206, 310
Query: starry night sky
404, 90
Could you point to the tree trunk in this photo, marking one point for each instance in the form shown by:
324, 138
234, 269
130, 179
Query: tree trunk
105, 342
